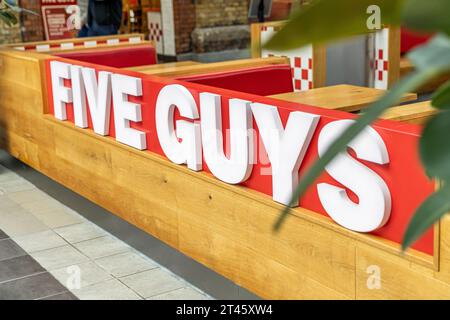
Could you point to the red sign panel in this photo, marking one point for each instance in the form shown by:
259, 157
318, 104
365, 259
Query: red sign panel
401, 174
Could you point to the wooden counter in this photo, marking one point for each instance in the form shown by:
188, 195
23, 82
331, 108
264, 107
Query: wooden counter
227, 228
342, 97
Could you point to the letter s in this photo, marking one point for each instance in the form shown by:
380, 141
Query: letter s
374, 207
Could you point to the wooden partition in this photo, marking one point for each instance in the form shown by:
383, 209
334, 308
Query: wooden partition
78, 43
227, 228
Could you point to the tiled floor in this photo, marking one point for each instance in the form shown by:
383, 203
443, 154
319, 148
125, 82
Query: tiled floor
48, 251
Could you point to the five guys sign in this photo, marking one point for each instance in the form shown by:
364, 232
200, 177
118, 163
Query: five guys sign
258, 142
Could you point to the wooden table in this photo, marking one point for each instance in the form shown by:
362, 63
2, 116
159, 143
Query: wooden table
163, 66
341, 97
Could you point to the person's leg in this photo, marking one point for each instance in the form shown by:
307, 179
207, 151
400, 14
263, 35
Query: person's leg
97, 30
83, 32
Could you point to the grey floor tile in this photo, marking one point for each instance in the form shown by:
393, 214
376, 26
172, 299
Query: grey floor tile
108, 290
19, 222
124, 264
7, 175
9, 249
45, 203
19, 267
33, 287
6, 204
3, 235
61, 296
153, 282
181, 294
80, 232
16, 185
40, 241
58, 217
27, 196
58, 258
89, 273
101, 247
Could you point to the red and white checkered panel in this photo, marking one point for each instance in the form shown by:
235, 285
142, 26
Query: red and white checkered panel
156, 30
301, 61
380, 59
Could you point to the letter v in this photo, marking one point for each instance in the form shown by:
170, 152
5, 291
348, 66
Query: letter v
99, 99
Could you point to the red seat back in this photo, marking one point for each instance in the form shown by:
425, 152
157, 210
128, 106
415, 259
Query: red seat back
263, 81
410, 40
123, 57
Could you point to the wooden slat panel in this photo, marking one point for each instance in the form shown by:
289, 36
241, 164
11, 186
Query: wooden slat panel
399, 278
21, 69
328, 259
259, 273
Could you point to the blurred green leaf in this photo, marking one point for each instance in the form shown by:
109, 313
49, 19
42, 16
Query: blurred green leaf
326, 20
434, 54
429, 16
8, 17
435, 146
428, 213
441, 98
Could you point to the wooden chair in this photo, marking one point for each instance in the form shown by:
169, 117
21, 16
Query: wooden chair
308, 64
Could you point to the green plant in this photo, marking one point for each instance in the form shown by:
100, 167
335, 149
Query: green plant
9, 10
7, 13
328, 20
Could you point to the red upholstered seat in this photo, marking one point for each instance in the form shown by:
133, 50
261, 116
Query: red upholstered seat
410, 40
263, 81
123, 57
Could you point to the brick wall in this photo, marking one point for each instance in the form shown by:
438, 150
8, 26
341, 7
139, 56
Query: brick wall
212, 13
192, 15
184, 23
31, 25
